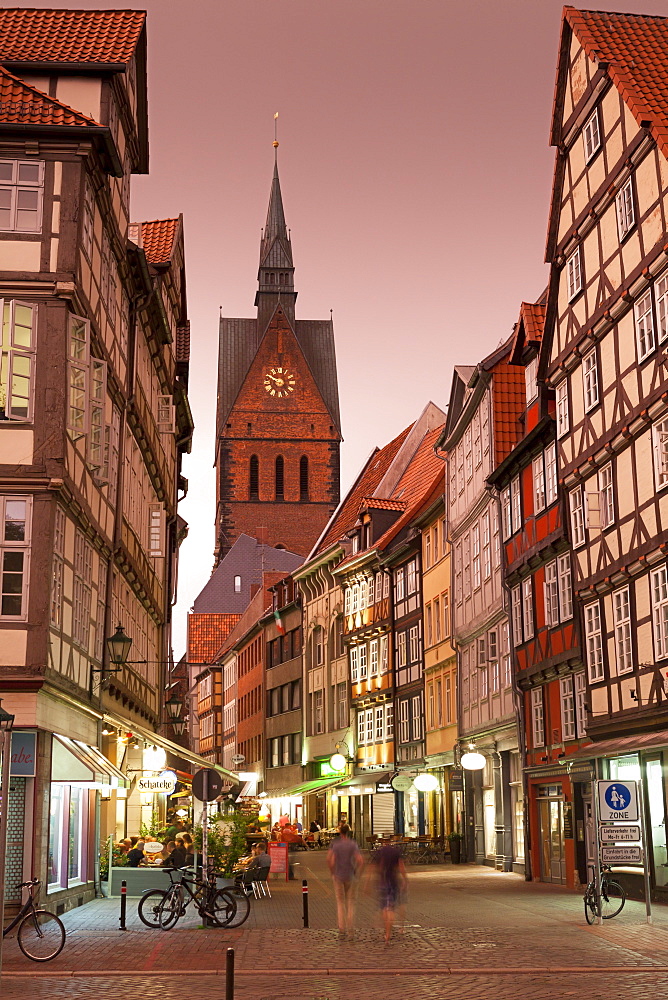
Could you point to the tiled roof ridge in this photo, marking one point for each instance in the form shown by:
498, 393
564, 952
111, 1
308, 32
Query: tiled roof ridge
60, 35
383, 503
158, 237
628, 83
22, 86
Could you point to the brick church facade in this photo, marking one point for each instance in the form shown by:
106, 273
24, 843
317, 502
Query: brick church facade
278, 424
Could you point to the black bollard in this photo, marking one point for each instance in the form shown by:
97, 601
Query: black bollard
305, 901
229, 975
124, 904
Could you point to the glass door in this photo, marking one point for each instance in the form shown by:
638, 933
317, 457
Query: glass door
657, 819
553, 861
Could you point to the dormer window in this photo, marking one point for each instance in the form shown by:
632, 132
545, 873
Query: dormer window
356, 542
237, 585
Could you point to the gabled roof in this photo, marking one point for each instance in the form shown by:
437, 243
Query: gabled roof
22, 104
69, 36
528, 330
345, 518
635, 47
158, 239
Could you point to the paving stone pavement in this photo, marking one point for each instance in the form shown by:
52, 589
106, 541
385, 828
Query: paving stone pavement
468, 932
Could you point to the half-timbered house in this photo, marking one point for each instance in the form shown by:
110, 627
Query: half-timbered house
605, 359
486, 401
547, 667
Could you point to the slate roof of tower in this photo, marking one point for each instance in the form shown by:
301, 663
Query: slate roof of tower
22, 104
636, 48
238, 343
69, 36
157, 239
247, 558
275, 228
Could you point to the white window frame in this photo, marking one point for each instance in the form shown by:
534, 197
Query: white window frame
379, 718
384, 654
362, 662
353, 657
606, 495
16, 187
580, 685
361, 727
563, 419
659, 594
369, 725
660, 449
567, 704
516, 502
590, 380
531, 380
594, 641
661, 299
644, 325
414, 643
404, 721
591, 136
83, 589
621, 614
516, 604
565, 587
551, 594
486, 547
537, 717
577, 509
574, 274
389, 721
15, 355
401, 649
9, 549
475, 555
551, 477
417, 716
373, 658
506, 513
625, 209
527, 607
538, 474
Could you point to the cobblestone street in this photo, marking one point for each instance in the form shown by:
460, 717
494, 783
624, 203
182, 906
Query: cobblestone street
469, 932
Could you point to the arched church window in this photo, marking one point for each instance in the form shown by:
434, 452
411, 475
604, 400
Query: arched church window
279, 478
254, 479
303, 478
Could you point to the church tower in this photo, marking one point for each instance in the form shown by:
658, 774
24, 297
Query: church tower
278, 428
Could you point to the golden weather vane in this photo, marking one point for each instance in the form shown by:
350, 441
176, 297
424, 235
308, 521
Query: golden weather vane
276, 130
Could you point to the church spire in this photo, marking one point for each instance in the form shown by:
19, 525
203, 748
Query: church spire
276, 272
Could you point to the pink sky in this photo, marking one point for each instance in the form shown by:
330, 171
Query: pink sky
416, 175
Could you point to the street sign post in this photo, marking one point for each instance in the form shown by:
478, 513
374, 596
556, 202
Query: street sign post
620, 834
207, 784
617, 800
621, 855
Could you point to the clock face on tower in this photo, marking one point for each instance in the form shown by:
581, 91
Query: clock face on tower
279, 382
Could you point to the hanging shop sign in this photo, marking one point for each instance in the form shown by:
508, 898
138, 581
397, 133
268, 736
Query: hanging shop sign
402, 782
23, 754
327, 771
456, 780
161, 784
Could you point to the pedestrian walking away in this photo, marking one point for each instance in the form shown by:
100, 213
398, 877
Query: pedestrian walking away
346, 864
392, 882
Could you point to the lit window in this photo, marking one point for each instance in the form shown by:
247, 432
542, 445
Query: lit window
17, 360
237, 585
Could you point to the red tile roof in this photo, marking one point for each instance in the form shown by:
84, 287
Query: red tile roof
21, 104
69, 36
376, 504
420, 472
508, 404
206, 634
366, 483
183, 343
533, 316
157, 240
636, 48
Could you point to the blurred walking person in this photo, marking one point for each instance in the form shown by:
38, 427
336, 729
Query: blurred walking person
392, 882
346, 864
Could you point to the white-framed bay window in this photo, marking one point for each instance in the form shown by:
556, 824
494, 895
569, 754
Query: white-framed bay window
16, 520
17, 359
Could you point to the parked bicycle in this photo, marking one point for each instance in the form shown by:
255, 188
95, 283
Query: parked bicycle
41, 935
612, 899
228, 907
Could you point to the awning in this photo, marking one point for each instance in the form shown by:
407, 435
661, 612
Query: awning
174, 748
622, 745
370, 778
306, 788
77, 763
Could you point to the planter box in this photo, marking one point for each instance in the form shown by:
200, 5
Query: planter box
139, 880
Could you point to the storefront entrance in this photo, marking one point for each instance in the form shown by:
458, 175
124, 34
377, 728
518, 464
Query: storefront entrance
551, 832
657, 818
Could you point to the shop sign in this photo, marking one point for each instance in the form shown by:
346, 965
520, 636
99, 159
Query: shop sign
162, 784
456, 780
23, 754
327, 771
568, 820
384, 786
279, 859
402, 782
249, 805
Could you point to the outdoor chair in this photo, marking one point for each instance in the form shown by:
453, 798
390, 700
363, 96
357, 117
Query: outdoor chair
261, 884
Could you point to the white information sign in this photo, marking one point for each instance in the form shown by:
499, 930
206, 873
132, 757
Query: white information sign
619, 834
619, 855
617, 800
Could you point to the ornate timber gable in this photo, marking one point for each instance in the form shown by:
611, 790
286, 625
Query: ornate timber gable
605, 357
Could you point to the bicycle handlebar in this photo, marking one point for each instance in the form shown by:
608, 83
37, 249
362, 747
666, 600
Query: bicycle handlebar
25, 885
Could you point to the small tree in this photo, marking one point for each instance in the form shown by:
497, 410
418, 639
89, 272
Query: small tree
154, 828
226, 839
118, 858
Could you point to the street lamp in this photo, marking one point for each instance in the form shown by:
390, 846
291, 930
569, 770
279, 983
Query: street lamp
118, 646
425, 782
6, 724
473, 761
174, 706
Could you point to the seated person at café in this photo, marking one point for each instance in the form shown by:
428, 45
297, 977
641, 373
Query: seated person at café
136, 855
259, 865
292, 838
166, 852
276, 832
177, 859
190, 851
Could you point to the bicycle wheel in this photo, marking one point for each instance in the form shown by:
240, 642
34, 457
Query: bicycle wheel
148, 909
613, 898
222, 907
41, 936
171, 907
590, 905
241, 904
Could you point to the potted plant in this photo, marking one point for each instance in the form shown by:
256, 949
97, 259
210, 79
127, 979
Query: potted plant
455, 839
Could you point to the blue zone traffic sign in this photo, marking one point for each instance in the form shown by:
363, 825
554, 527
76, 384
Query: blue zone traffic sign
618, 800
618, 797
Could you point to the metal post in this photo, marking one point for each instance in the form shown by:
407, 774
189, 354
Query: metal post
643, 835
597, 850
205, 821
4, 810
305, 901
229, 975
124, 904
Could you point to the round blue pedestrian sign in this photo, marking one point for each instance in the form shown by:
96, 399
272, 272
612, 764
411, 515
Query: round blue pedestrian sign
618, 796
